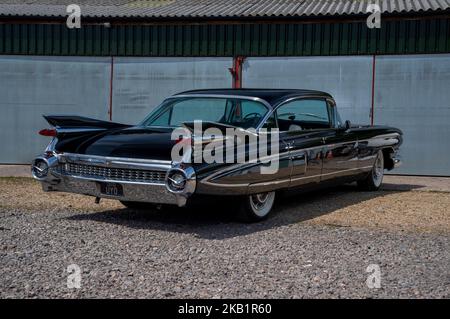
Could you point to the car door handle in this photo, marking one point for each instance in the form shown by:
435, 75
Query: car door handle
289, 147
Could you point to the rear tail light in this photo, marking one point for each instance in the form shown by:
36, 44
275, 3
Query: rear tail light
48, 132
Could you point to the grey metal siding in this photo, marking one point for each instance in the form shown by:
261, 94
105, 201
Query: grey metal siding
413, 93
32, 86
348, 79
140, 84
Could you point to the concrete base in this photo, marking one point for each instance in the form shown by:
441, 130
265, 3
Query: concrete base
421, 183
15, 171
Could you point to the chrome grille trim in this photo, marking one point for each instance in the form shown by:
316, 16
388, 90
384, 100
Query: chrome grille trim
112, 173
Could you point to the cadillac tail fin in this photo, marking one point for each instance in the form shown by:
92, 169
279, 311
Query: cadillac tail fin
73, 121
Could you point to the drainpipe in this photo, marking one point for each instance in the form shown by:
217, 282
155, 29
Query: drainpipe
236, 71
373, 91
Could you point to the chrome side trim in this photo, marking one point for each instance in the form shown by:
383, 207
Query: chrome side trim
226, 185
268, 186
332, 173
386, 136
243, 189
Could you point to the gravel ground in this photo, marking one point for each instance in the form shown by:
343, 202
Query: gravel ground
317, 245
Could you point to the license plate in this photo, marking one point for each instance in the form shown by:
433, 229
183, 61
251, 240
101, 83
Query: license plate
111, 189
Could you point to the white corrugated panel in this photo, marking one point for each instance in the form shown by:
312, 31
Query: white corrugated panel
32, 86
413, 94
140, 84
347, 79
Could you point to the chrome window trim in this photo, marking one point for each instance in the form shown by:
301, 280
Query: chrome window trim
225, 96
218, 96
279, 104
335, 112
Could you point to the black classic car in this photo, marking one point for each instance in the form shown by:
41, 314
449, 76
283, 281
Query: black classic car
304, 136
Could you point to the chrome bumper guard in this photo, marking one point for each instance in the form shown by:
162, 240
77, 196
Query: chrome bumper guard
396, 160
141, 180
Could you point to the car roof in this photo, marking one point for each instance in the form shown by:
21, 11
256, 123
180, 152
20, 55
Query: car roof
272, 96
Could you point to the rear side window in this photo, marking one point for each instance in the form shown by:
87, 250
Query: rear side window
303, 114
190, 110
247, 114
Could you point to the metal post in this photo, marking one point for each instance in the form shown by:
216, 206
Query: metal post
111, 79
373, 91
236, 71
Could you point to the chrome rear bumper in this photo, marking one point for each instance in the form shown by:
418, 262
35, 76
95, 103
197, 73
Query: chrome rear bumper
141, 180
132, 191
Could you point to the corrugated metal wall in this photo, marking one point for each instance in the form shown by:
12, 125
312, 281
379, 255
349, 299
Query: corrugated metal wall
413, 93
32, 86
142, 83
348, 79
217, 39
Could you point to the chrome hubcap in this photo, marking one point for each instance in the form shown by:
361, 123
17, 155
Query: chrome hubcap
259, 200
262, 203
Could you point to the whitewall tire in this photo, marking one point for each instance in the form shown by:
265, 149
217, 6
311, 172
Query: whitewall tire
374, 179
256, 207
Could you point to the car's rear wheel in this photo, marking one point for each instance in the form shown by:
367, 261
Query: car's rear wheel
256, 207
374, 179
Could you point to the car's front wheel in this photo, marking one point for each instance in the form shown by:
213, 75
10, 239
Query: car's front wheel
256, 207
374, 180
